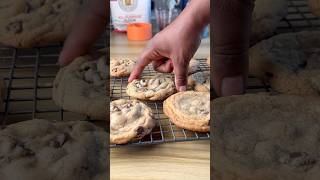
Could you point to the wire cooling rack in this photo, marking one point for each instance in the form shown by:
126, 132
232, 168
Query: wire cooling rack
165, 131
29, 75
298, 18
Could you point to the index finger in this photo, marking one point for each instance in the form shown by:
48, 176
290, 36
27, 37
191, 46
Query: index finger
143, 61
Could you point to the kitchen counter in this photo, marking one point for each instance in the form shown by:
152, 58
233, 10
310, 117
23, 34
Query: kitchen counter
177, 160
120, 46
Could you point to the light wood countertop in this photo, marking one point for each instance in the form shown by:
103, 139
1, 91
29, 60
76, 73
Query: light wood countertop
177, 160
120, 46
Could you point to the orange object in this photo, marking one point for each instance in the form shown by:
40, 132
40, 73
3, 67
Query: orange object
139, 31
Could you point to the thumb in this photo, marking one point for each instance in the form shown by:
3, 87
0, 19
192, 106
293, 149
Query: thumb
180, 74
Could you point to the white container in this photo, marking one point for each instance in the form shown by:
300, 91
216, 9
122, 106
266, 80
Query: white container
129, 11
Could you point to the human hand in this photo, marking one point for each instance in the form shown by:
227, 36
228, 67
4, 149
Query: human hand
88, 26
170, 50
173, 47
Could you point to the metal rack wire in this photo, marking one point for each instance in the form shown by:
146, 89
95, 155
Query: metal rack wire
298, 18
165, 130
29, 75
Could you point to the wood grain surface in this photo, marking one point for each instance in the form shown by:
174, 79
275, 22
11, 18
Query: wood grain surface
177, 160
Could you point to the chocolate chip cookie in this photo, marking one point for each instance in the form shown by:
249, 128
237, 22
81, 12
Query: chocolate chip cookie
41, 149
266, 17
121, 67
81, 86
129, 120
199, 81
154, 88
29, 23
289, 62
266, 137
189, 110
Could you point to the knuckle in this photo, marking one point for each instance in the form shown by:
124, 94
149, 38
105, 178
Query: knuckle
181, 80
143, 56
150, 45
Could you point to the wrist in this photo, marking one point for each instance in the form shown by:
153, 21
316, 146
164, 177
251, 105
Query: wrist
196, 15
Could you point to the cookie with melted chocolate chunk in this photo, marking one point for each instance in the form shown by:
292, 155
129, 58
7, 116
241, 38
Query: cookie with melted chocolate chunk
129, 120
155, 88
81, 86
289, 63
265, 136
30, 23
42, 149
121, 67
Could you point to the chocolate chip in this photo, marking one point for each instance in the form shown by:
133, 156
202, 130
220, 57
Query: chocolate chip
269, 74
86, 68
62, 138
302, 159
29, 152
59, 140
295, 154
303, 64
128, 105
203, 112
42, 3
56, 8
27, 8
115, 108
308, 162
274, 92
24, 150
140, 131
14, 27
54, 144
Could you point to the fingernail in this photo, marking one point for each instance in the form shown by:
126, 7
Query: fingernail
232, 86
182, 88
